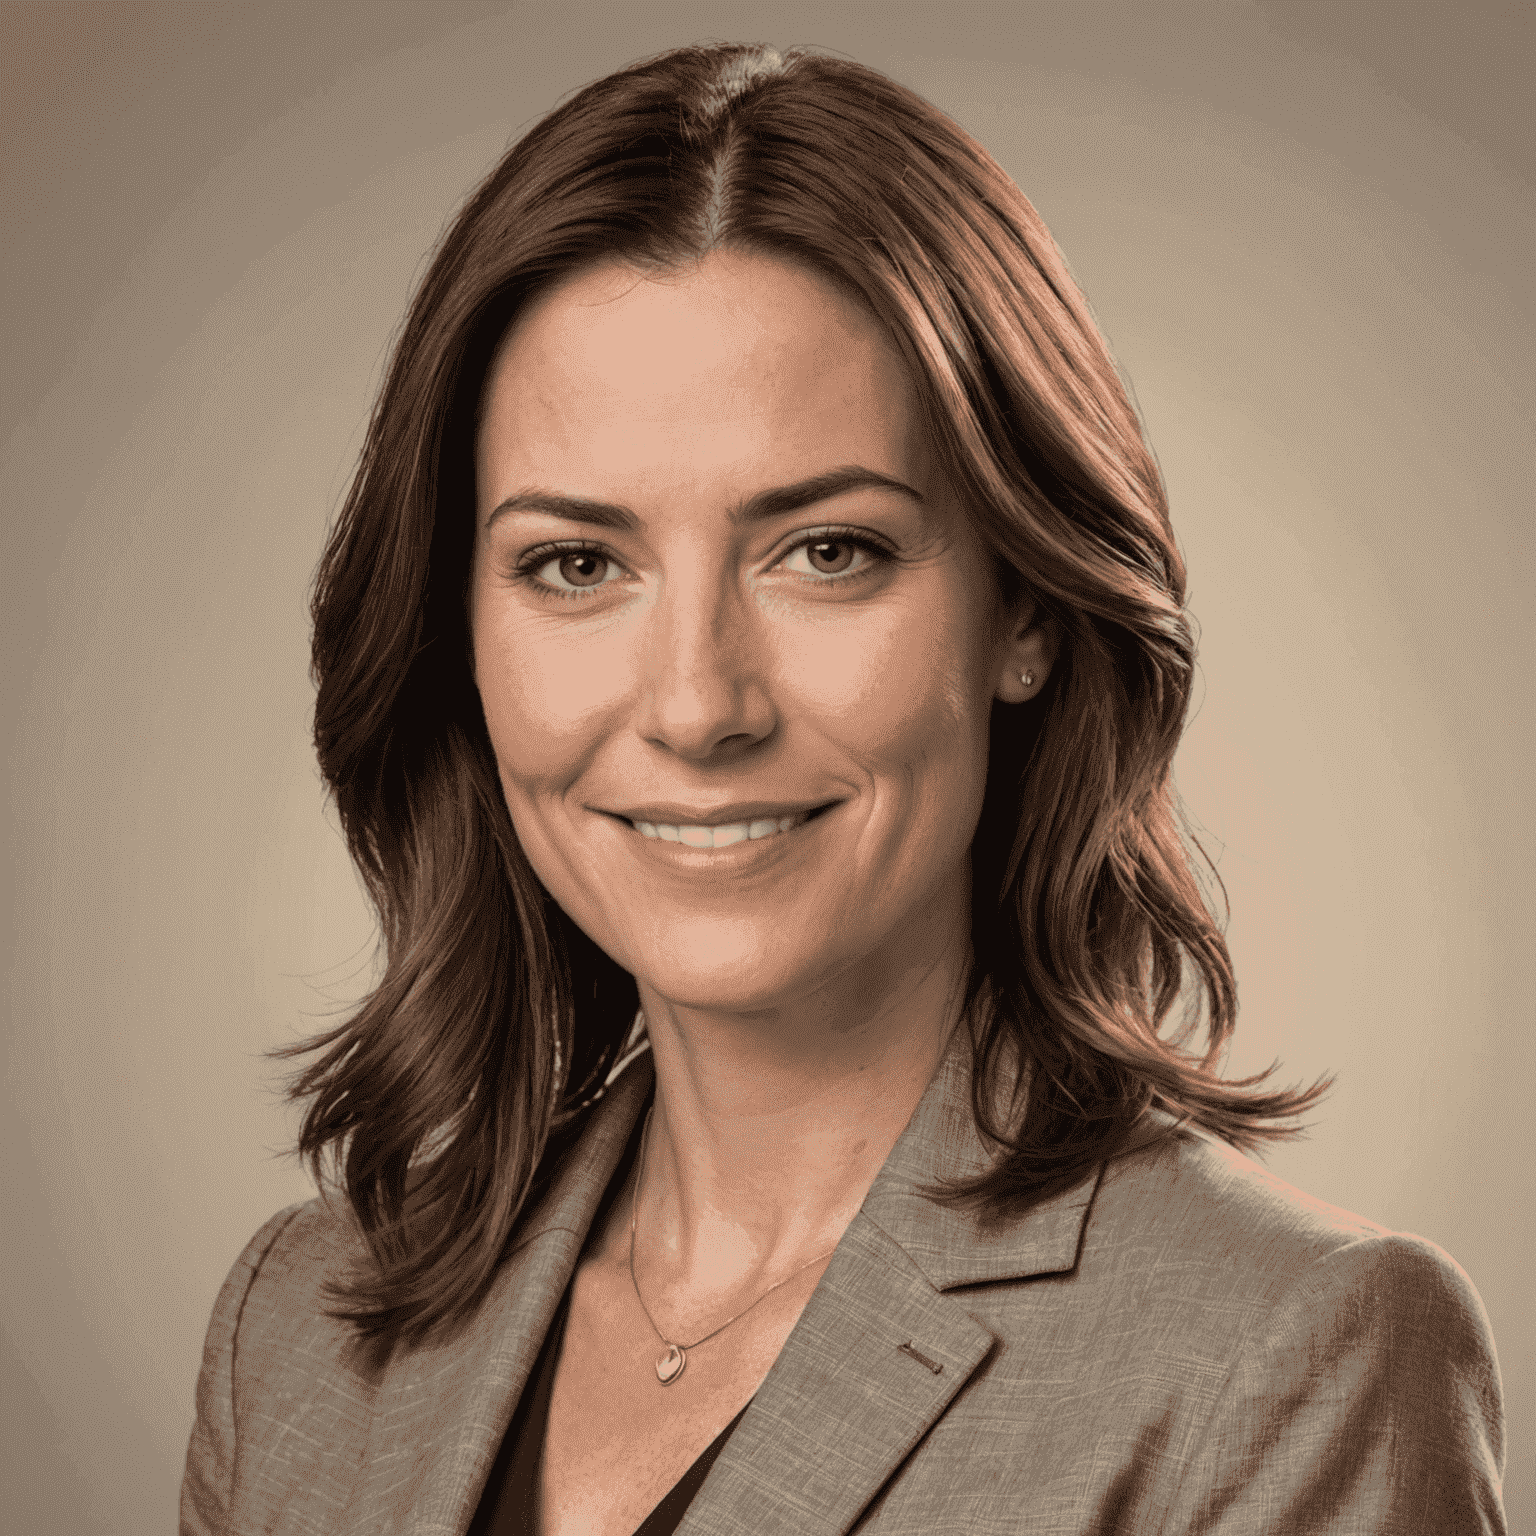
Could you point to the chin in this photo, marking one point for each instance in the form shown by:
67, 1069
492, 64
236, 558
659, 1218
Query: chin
729, 968
704, 987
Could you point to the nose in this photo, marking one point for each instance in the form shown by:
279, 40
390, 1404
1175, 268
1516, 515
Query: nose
704, 697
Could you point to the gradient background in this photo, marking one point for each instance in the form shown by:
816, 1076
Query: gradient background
1306, 230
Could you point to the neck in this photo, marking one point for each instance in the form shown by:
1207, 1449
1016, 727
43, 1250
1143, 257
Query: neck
769, 1127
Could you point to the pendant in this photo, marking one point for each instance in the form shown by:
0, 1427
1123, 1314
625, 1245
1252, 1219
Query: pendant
670, 1366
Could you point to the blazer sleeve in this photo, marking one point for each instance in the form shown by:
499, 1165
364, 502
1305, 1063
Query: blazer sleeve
210, 1470
1368, 1402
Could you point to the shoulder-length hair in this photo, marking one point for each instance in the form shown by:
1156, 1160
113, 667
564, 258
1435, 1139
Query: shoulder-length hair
442, 1104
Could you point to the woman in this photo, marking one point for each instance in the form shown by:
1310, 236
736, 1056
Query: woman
750, 661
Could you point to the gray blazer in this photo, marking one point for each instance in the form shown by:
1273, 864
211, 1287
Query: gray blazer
1180, 1344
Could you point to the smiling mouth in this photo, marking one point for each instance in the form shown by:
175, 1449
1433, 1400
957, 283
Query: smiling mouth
727, 835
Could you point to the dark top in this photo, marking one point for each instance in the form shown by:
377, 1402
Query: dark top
509, 1504
510, 1501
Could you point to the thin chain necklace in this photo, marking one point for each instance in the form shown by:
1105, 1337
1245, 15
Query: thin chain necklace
669, 1366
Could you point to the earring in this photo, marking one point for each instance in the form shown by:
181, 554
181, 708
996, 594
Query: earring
1027, 678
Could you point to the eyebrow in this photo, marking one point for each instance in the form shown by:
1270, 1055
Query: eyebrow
765, 504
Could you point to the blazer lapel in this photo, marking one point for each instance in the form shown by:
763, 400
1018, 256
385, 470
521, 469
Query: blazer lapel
880, 1351
844, 1402
441, 1411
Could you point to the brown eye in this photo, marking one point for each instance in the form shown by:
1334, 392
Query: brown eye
573, 570
583, 568
830, 556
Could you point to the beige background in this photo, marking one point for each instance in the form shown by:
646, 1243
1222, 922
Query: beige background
1307, 232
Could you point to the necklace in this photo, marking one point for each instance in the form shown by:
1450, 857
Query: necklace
669, 1365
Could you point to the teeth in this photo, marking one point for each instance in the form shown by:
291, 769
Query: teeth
717, 837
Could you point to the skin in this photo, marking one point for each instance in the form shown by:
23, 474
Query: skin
798, 990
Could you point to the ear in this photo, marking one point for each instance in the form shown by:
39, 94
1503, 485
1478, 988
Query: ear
1032, 640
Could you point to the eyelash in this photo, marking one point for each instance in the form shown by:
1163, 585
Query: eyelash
528, 566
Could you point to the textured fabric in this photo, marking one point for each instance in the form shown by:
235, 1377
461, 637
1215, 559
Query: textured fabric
1183, 1344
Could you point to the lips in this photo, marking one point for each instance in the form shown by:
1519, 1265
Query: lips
696, 836
722, 828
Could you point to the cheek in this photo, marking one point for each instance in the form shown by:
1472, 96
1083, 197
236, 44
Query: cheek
905, 690
544, 703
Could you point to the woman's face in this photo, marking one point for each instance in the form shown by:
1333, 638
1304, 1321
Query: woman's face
736, 642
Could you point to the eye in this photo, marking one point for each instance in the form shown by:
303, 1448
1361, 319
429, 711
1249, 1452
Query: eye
572, 570
831, 554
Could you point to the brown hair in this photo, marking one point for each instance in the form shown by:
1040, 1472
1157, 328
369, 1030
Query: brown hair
467, 1067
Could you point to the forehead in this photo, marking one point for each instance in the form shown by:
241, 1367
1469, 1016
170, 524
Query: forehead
732, 365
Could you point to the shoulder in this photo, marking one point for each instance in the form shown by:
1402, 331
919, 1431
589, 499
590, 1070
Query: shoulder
1228, 1225
275, 1307
1202, 1197
290, 1256
299, 1252
280, 1379
1333, 1369
1265, 1283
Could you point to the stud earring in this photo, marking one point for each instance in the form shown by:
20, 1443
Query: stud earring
1027, 678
